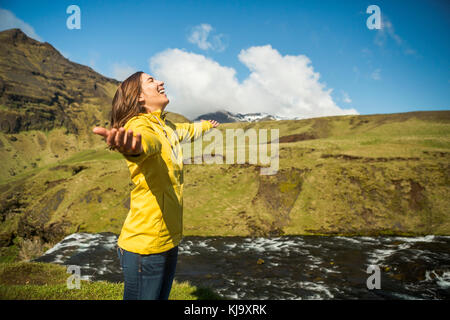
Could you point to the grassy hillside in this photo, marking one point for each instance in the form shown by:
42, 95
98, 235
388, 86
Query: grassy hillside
48, 105
347, 175
45, 281
23, 152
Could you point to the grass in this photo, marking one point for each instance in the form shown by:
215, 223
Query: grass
361, 175
44, 281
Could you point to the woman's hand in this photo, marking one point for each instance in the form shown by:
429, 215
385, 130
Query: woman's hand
213, 122
123, 141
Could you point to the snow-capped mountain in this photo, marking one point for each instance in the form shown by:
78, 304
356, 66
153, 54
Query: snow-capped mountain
224, 116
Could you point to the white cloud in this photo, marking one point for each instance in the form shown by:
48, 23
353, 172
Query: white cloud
412, 52
286, 86
346, 97
121, 71
387, 31
9, 21
376, 74
199, 35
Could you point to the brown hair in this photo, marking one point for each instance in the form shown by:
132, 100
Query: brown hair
125, 104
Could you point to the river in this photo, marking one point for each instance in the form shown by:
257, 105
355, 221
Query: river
288, 267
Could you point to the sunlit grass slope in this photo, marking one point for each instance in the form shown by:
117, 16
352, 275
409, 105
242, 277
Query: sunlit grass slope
45, 281
347, 175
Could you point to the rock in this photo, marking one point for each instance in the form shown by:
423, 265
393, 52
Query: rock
78, 169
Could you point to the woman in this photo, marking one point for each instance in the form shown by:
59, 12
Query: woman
152, 231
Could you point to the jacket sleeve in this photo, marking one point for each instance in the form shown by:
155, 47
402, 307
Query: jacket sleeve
149, 138
191, 131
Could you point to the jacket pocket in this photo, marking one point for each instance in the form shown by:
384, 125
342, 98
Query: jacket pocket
172, 218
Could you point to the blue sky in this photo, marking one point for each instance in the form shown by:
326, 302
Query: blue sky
348, 69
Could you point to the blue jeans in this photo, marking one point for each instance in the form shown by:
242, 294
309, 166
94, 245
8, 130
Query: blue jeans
149, 276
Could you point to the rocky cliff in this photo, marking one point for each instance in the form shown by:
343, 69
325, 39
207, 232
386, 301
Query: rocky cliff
40, 89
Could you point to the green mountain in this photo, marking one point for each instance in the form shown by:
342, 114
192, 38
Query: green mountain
53, 102
342, 175
42, 90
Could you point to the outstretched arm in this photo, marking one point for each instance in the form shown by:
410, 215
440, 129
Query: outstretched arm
213, 122
136, 141
192, 131
121, 140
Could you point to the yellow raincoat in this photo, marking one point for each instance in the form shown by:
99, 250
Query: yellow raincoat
155, 221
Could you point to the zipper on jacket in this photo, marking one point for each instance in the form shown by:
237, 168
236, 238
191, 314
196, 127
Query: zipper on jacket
164, 130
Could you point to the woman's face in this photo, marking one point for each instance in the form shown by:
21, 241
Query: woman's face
152, 96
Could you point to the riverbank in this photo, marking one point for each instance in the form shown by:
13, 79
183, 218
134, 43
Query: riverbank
284, 268
47, 281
